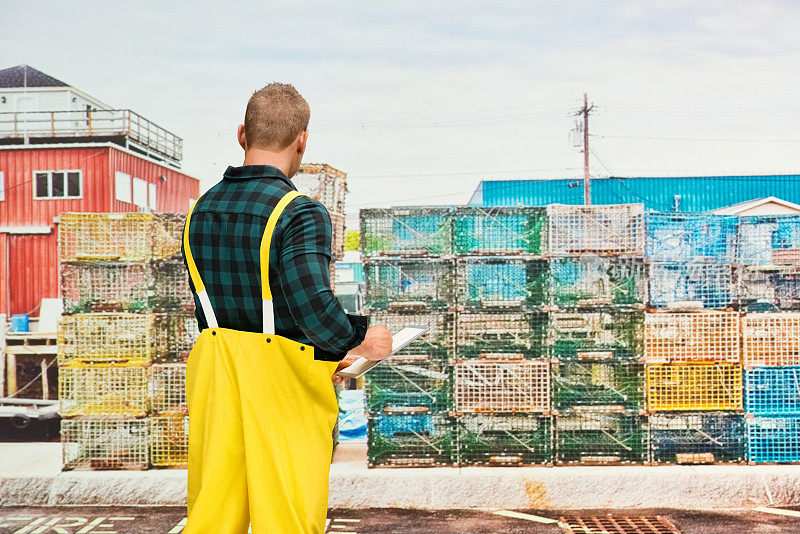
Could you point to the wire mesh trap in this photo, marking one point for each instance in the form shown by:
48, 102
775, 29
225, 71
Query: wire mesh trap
684, 237
103, 389
706, 285
594, 281
167, 235
500, 282
599, 386
409, 283
171, 291
168, 388
169, 440
681, 438
96, 443
411, 440
616, 229
106, 287
773, 390
511, 440
337, 241
105, 236
324, 183
769, 239
502, 386
99, 337
596, 335
706, 336
407, 231
773, 439
175, 334
769, 287
436, 344
600, 438
499, 230
500, 334
694, 386
771, 339
412, 387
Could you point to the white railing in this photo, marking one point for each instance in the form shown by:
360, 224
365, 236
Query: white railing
98, 123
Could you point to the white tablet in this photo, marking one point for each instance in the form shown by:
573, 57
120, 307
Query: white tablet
399, 341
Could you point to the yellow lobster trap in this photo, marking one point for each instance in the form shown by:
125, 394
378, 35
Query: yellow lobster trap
103, 389
169, 440
107, 337
694, 386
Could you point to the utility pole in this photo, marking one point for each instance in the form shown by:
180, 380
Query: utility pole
587, 181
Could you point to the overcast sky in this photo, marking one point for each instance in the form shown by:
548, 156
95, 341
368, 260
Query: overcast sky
419, 101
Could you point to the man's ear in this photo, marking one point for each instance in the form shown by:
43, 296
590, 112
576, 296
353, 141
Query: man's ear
302, 141
241, 137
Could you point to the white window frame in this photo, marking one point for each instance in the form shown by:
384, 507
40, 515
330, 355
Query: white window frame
152, 196
50, 184
119, 187
139, 200
2, 186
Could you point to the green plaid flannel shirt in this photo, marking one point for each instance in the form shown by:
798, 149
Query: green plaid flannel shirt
225, 233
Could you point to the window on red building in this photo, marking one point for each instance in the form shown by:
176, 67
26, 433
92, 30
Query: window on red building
58, 184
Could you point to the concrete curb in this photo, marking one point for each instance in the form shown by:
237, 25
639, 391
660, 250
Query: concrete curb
696, 488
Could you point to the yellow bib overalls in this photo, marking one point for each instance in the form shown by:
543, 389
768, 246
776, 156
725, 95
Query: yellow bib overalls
261, 417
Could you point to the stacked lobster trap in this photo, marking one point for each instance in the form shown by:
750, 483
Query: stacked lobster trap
595, 299
694, 387
128, 310
408, 268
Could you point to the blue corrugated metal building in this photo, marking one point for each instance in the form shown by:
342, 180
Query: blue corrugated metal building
691, 193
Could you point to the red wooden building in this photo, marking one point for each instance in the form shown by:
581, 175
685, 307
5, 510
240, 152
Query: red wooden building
76, 155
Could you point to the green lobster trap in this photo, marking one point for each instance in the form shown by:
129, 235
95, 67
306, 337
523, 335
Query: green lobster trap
411, 440
407, 384
499, 230
409, 284
593, 281
595, 335
501, 282
599, 386
419, 231
437, 343
500, 334
593, 438
510, 440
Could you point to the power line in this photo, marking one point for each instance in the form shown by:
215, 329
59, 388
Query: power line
722, 139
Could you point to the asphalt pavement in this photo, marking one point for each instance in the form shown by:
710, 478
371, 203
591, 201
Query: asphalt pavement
170, 520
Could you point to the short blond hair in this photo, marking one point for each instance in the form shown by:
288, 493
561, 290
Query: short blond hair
275, 115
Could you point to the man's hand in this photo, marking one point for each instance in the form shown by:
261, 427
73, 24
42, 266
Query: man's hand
377, 344
346, 362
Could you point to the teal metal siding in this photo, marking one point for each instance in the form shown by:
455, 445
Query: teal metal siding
700, 193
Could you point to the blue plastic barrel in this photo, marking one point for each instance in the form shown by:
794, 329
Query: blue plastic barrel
20, 323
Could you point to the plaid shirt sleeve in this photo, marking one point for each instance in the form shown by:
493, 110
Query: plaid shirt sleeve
304, 278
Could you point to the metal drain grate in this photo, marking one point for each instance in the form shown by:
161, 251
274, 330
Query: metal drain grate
617, 524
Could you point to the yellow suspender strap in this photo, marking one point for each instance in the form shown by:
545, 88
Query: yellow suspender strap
196, 280
199, 286
266, 240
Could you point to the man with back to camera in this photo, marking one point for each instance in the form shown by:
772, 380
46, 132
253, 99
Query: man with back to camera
262, 407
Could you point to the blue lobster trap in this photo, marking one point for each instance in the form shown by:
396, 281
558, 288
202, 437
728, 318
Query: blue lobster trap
709, 283
769, 239
423, 231
679, 237
773, 439
500, 282
773, 390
